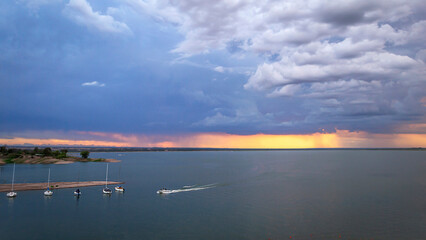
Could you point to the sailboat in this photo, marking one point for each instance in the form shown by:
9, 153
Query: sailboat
106, 190
48, 192
77, 192
12, 193
119, 188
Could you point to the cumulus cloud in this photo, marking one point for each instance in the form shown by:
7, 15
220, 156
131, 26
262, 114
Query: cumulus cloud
329, 67
343, 58
93, 84
258, 24
81, 12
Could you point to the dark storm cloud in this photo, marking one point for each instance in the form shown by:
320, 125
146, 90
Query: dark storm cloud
240, 67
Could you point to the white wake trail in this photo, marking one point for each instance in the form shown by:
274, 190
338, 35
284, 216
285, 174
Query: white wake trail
193, 188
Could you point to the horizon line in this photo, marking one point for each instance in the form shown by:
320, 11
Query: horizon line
208, 148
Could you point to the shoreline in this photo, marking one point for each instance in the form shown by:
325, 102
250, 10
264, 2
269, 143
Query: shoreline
54, 185
108, 160
44, 156
51, 160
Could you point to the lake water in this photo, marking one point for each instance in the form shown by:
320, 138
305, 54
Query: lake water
326, 194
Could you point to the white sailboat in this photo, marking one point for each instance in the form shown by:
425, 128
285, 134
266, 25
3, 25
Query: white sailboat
77, 192
119, 188
12, 194
48, 192
106, 190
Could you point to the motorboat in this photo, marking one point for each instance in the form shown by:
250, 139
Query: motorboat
164, 191
12, 194
119, 189
48, 192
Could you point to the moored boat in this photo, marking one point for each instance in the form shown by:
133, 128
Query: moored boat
106, 190
48, 192
12, 194
119, 188
77, 192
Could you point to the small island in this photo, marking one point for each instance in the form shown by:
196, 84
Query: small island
44, 156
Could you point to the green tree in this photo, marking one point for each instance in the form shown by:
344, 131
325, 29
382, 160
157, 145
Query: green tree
47, 151
36, 151
84, 154
3, 149
56, 153
11, 150
62, 154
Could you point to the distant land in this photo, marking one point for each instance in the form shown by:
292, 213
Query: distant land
45, 155
178, 149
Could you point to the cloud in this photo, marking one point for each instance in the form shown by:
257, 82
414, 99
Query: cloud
211, 25
93, 84
82, 13
365, 57
219, 69
297, 66
329, 66
348, 63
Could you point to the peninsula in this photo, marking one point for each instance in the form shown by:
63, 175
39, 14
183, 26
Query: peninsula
44, 156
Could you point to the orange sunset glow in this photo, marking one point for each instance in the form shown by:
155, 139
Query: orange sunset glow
339, 139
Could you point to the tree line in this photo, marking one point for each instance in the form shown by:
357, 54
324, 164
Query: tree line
45, 152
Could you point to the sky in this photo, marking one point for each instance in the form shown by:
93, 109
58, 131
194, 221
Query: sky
224, 73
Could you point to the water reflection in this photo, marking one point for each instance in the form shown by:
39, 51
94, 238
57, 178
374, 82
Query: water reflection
77, 200
10, 202
47, 198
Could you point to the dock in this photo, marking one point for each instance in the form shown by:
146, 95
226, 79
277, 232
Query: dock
54, 185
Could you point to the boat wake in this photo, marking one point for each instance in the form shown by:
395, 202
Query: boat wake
192, 188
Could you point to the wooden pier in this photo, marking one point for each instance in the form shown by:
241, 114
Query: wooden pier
53, 185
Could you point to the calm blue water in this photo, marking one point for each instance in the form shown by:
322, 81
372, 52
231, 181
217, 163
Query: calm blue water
252, 195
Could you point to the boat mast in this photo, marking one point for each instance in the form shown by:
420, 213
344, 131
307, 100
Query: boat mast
48, 179
119, 172
13, 176
106, 177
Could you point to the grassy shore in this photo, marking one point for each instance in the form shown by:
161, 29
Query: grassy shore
29, 159
45, 156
